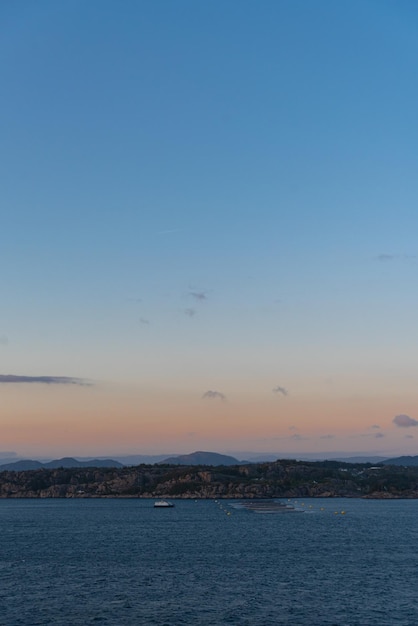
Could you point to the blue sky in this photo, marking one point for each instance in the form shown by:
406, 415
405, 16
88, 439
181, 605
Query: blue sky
210, 196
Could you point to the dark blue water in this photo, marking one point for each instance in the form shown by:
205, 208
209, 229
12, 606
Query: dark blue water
122, 562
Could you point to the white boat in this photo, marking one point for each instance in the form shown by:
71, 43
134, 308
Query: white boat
265, 506
163, 504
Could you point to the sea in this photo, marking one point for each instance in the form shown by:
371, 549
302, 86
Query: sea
122, 562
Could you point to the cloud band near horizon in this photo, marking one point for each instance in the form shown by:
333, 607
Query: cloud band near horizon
46, 380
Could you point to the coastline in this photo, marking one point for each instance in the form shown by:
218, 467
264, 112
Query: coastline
275, 480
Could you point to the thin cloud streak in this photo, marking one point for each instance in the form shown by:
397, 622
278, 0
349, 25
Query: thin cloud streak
5, 454
281, 390
45, 380
384, 258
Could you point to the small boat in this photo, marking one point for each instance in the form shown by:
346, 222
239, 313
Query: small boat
163, 504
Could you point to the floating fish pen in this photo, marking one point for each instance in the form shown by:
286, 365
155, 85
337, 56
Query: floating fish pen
264, 506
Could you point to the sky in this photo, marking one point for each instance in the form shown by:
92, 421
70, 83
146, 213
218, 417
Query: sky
208, 227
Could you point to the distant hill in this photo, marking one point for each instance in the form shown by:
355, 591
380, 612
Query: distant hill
401, 460
9, 459
68, 462
360, 459
195, 458
201, 458
21, 466
138, 459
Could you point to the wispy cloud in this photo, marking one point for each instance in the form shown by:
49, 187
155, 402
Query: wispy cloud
375, 426
280, 390
384, 258
213, 395
46, 380
327, 437
409, 436
143, 320
378, 435
190, 312
298, 437
198, 295
404, 421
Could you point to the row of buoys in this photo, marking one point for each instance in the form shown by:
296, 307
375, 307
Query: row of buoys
228, 513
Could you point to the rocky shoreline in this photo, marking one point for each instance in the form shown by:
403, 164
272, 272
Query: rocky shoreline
283, 478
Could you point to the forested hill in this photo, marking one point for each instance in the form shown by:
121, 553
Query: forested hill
263, 480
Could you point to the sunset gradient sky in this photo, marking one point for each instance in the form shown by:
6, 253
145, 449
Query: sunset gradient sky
209, 220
